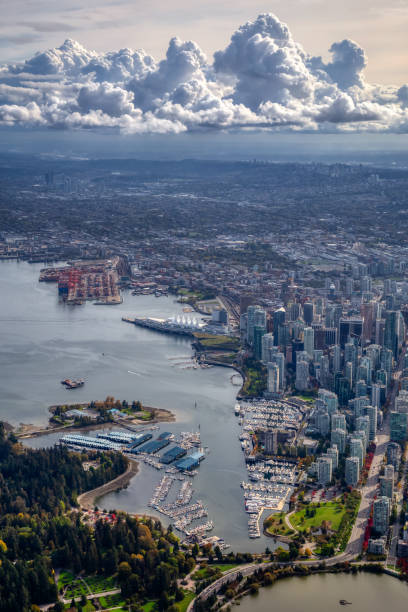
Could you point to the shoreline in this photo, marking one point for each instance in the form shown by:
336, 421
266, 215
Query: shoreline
25, 431
88, 499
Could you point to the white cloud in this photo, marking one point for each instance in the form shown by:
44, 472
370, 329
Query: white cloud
263, 78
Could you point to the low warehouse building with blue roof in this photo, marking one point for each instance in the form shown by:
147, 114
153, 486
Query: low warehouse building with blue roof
190, 462
173, 454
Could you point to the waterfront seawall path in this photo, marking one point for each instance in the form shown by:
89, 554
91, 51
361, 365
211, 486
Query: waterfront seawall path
87, 500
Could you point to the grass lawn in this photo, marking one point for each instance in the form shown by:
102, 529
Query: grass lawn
76, 588
88, 608
275, 525
184, 603
149, 605
211, 570
225, 567
64, 579
113, 601
306, 398
209, 341
99, 584
330, 511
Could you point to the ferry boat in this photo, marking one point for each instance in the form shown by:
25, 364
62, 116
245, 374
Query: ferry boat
72, 384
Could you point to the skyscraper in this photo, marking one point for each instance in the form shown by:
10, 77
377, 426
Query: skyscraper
278, 317
401, 402
371, 412
333, 453
393, 454
391, 331
268, 347
357, 450
302, 375
256, 317
336, 358
350, 328
273, 378
376, 396
352, 472
329, 399
367, 312
387, 482
324, 470
363, 424
338, 438
259, 332
398, 426
308, 341
308, 312
338, 421
381, 514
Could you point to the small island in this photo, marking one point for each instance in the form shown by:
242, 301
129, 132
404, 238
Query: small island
94, 414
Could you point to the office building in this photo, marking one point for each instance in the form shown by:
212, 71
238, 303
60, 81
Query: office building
308, 341
391, 331
350, 328
259, 332
308, 313
279, 318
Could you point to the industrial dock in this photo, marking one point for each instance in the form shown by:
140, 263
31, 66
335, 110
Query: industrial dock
98, 281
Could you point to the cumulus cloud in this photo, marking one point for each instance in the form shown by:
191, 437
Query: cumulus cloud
266, 63
262, 79
347, 65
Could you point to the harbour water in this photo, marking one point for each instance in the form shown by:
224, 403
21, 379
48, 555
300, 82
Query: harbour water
322, 593
44, 342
